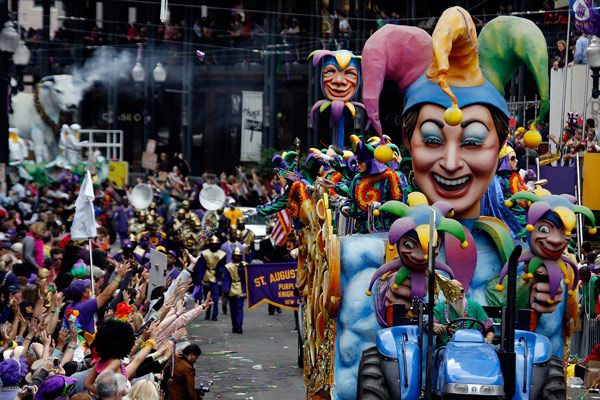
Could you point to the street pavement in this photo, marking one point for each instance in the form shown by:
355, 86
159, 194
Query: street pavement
260, 364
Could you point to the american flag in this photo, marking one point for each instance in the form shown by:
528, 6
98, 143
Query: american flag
282, 228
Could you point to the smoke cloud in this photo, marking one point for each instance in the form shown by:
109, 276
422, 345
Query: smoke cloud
106, 65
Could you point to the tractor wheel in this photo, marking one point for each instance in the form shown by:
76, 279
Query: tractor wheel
371, 381
554, 388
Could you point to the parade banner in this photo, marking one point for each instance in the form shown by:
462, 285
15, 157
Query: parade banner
272, 283
252, 125
591, 189
587, 18
560, 179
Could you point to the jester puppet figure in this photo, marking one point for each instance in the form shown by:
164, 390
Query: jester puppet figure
454, 130
550, 222
410, 235
340, 81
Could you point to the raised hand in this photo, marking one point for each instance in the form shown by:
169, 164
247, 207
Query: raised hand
192, 260
540, 293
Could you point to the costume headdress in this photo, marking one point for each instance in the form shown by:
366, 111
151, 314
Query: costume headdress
365, 152
563, 206
464, 70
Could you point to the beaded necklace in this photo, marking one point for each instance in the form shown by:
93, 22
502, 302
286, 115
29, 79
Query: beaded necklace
465, 314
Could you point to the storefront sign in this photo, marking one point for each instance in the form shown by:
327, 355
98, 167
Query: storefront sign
272, 283
252, 125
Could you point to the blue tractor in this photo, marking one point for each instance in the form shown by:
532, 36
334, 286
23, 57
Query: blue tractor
521, 366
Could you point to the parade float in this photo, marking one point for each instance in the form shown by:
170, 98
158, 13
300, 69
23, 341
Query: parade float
352, 272
37, 127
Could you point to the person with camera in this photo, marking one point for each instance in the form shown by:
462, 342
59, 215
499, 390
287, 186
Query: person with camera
181, 386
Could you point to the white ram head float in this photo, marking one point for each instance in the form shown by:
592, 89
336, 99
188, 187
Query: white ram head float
66, 91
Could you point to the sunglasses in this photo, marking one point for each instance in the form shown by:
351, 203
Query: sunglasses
513, 158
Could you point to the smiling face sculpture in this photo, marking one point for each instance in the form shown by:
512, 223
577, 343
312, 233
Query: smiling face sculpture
455, 163
455, 118
339, 83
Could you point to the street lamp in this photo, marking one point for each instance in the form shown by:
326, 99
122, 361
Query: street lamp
9, 38
159, 73
137, 73
22, 54
593, 60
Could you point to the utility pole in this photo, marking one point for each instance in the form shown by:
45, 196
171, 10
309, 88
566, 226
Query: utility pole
270, 77
45, 38
187, 83
4, 99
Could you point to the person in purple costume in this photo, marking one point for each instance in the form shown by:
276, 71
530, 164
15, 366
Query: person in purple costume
79, 294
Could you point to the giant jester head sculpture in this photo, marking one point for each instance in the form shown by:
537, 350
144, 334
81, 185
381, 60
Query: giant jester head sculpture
455, 118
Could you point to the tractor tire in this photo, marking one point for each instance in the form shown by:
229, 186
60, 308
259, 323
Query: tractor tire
372, 384
554, 387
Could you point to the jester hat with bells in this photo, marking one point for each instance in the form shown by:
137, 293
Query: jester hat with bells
365, 152
414, 221
560, 209
453, 68
286, 165
341, 59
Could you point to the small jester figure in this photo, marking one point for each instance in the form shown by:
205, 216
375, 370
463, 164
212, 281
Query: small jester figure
550, 221
374, 182
410, 235
207, 273
234, 287
340, 81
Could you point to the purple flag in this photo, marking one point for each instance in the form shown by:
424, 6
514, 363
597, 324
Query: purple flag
587, 19
273, 283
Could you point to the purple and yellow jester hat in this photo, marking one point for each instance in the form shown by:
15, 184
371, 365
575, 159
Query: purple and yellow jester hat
464, 70
414, 221
562, 206
414, 216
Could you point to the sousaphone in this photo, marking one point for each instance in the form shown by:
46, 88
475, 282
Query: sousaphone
141, 196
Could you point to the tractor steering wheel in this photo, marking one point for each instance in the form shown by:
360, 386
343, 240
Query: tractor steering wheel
469, 322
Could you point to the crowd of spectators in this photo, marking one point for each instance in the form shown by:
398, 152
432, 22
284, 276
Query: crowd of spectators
59, 339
